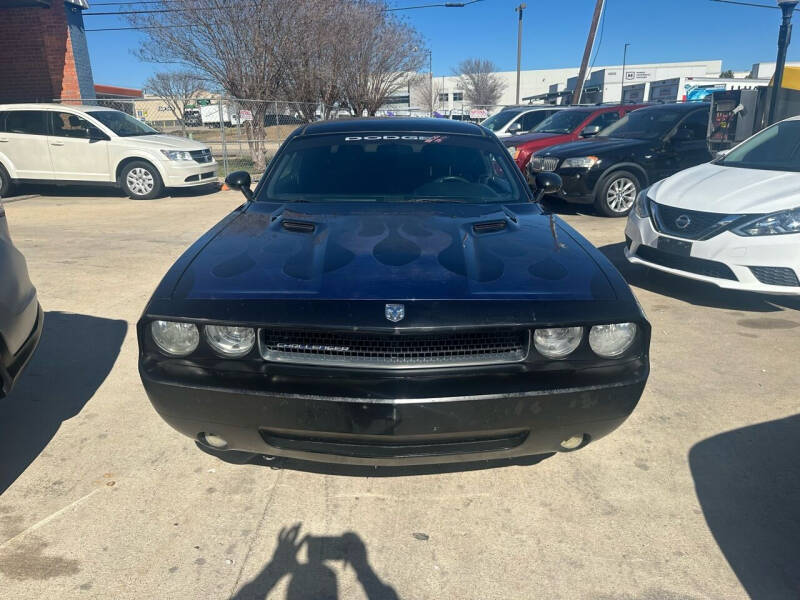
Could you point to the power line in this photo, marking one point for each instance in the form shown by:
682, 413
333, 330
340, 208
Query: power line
174, 10
753, 4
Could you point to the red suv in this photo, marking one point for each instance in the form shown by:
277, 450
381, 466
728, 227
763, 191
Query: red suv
565, 126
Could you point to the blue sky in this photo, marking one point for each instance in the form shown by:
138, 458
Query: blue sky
554, 35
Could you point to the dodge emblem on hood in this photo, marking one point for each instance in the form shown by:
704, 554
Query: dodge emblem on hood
395, 312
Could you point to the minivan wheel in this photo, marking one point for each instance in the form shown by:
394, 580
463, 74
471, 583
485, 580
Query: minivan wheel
140, 181
617, 194
5, 183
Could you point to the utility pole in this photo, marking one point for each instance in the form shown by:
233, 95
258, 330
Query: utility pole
784, 37
430, 68
622, 87
519, 9
576, 95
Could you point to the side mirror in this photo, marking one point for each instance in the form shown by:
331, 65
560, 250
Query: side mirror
240, 180
515, 127
590, 130
547, 182
722, 153
96, 135
683, 135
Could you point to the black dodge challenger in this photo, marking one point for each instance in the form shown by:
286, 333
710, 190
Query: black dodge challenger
391, 293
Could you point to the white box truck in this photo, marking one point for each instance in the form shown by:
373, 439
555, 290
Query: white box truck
210, 114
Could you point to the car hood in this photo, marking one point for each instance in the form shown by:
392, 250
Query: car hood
399, 251
595, 145
516, 140
729, 190
158, 141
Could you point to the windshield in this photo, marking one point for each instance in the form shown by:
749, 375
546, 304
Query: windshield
644, 124
498, 120
121, 123
777, 148
564, 121
394, 167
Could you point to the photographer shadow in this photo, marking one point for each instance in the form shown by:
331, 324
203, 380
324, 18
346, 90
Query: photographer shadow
74, 357
313, 579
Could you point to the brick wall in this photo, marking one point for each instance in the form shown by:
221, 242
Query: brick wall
38, 61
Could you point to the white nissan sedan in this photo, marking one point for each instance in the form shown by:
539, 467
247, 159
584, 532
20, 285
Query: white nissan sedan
733, 222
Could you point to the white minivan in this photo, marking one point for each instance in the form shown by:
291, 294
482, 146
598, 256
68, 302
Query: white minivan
59, 143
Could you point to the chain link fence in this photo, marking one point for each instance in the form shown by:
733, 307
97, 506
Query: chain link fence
245, 134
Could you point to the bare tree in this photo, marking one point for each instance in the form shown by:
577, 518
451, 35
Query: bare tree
177, 89
383, 51
427, 92
482, 86
238, 45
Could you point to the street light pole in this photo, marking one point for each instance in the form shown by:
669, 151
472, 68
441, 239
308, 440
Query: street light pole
519, 9
784, 37
622, 87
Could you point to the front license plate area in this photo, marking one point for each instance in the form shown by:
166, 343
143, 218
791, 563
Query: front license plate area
677, 247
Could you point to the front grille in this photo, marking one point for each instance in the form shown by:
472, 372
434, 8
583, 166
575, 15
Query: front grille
544, 163
691, 264
201, 156
776, 276
392, 351
689, 224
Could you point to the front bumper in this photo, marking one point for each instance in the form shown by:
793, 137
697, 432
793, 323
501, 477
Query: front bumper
189, 173
578, 185
12, 365
403, 431
723, 251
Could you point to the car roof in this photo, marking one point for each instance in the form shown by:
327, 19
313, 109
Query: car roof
393, 124
681, 106
43, 106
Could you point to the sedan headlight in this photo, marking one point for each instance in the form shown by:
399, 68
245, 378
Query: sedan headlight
229, 341
175, 339
780, 223
642, 205
581, 162
611, 341
177, 154
557, 342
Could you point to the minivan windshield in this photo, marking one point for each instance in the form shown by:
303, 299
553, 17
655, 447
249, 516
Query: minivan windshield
564, 121
644, 124
121, 123
498, 120
776, 148
393, 167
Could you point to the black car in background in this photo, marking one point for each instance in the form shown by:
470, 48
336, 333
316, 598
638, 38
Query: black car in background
21, 317
646, 145
391, 293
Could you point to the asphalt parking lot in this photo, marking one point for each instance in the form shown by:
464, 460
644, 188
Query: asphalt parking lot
695, 496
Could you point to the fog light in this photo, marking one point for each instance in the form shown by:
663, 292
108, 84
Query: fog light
572, 443
214, 441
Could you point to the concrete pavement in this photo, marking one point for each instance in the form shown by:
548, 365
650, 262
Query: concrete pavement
695, 496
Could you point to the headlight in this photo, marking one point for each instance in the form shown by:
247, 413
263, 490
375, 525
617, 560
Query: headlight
779, 223
231, 342
175, 339
177, 154
642, 205
557, 342
611, 341
581, 162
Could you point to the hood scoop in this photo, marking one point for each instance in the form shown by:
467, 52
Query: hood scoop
298, 226
489, 226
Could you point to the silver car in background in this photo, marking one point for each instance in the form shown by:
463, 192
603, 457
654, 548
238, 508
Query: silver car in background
21, 317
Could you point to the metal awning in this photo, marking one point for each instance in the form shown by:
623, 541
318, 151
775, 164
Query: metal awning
39, 3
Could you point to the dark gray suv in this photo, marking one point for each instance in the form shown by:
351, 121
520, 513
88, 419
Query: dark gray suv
21, 317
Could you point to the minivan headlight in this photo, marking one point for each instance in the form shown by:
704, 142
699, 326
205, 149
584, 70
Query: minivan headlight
177, 154
230, 341
780, 223
557, 342
175, 339
611, 341
642, 205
